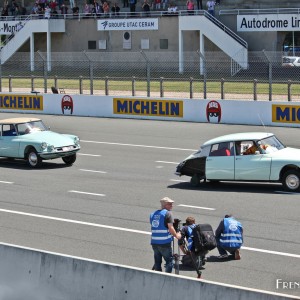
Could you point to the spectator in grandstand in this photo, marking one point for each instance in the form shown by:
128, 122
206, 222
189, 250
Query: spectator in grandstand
42, 3
132, 4
146, 8
164, 4
72, 4
97, 9
115, 9
53, 5
106, 9
125, 3
199, 4
211, 7
35, 8
190, 7
4, 12
87, 10
64, 9
172, 9
14, 8
75, 10
157, 4
47, 12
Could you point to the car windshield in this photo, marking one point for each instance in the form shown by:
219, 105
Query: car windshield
273, 142
31, 127
289, 59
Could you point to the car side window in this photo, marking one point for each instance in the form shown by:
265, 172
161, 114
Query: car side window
221, 149
8, 130
22, 128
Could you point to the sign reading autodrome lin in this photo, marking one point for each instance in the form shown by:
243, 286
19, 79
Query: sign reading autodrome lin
271, 22
127, 24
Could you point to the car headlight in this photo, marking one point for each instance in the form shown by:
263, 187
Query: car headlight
76, 140
50, 148
44, 146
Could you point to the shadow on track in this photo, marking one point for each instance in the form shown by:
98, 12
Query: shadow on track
229, 186
11, 163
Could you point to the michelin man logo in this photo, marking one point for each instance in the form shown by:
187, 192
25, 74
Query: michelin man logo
67, 104
213, 112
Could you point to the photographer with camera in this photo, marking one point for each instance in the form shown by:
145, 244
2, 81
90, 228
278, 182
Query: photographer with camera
162, 233
186, 241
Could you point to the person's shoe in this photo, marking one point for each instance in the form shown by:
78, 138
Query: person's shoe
223, 256
237, 255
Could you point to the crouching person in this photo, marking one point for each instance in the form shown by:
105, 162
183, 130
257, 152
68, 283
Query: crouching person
229, 236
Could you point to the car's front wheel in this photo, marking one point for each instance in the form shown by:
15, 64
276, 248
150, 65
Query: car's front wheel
291, 181
69, 160
33, 159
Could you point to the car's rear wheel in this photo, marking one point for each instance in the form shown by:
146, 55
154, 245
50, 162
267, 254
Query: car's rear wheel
291, 181
69, 160
33, 159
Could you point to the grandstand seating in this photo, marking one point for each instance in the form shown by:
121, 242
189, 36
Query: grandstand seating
181, 4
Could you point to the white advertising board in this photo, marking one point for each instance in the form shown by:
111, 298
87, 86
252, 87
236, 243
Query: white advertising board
127, 24
168, 109
268, 22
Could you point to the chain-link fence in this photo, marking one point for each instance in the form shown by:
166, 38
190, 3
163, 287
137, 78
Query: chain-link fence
154, 74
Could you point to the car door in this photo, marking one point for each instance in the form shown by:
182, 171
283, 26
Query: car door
220, 162
252, 167
8, 147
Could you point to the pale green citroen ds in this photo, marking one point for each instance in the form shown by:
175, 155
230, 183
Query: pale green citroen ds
250, 156
30, 139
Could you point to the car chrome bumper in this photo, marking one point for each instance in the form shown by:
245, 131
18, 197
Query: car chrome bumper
57, 154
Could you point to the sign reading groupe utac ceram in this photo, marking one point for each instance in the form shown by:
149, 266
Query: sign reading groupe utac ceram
9, 27
272, 22
127, 24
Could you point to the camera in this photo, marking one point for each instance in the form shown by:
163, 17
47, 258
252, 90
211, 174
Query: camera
176, 224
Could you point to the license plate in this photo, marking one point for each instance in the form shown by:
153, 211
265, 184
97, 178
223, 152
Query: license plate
66, 148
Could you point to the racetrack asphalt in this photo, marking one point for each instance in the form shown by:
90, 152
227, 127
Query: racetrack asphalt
99, 208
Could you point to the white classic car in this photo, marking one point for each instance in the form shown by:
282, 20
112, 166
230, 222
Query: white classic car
30, 139
252, 156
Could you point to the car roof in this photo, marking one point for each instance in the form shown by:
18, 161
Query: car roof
18, 120
245, 136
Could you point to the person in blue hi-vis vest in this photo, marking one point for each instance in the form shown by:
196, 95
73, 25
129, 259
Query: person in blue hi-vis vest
162, 233
186, 235
229, 236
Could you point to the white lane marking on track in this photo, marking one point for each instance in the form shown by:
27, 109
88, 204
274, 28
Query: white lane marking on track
8, 182
133, 145
94, 171
87, 193
95, 155
126, 229
207, 208
167, 162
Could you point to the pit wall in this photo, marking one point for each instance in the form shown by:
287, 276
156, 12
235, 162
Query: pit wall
31, 274
246, 112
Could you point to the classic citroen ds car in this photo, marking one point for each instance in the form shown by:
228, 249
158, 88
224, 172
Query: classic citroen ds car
30, 139
252, 156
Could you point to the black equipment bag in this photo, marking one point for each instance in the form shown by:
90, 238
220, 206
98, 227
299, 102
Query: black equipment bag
203, 238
